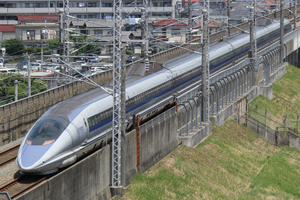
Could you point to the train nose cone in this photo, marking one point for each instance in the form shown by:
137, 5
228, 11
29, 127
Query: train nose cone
31, 155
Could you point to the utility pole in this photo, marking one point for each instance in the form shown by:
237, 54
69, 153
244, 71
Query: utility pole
189, 32
205, 67
29, 78
118, 122
42, 46
45, 35
295, 14
228, 17
16, 82
281, 31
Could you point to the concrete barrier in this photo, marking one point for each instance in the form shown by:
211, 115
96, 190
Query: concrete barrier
87, 179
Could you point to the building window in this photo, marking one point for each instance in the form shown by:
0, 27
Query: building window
11, 5
80, 5
175, 32
44, 34
98, 32
92, 4
107, 5
37, 5
28, 5
30, 34
107, 15
109, 32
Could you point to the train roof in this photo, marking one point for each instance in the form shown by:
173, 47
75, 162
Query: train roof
137, 84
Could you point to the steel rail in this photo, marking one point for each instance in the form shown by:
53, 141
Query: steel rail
8, 155
20, 185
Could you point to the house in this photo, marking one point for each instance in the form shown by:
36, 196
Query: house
170, 30
213, 28
36, 27
7, 31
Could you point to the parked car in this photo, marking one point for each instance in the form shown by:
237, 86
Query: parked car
7, 70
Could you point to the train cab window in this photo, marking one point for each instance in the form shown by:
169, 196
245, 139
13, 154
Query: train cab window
47, 130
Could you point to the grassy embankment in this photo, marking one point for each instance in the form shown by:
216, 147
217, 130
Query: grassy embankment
234, 163
286, 100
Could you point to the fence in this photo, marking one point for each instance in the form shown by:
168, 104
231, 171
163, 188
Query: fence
270, 128
267, 119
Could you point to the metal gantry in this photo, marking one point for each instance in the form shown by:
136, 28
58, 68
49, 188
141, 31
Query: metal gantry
117, 95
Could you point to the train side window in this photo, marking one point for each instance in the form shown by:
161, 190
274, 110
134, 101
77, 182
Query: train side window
102, 117
89, 122
94, 121
98, 118
106, 115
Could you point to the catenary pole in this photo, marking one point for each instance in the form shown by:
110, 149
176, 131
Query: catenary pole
281, 31
295, 14
228, 17
118, 96
205, 66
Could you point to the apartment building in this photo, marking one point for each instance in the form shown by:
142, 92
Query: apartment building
87, 9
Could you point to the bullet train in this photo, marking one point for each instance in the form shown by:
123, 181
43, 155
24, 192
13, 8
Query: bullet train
72, 127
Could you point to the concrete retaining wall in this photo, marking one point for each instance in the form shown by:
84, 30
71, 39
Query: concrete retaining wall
229, 111
88, 179
158, 138
275, 137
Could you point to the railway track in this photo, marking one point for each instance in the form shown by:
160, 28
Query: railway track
19, 185
8, 155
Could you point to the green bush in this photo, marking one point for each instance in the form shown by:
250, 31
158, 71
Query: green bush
129, 52
13, 46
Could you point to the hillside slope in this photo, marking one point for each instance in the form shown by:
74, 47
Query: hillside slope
234, 163
286, 100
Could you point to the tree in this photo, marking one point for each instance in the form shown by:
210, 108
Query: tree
85, 45
13, 46
53, 44
7, 87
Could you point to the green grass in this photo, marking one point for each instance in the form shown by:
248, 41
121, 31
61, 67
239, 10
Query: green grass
286, 100
234, 163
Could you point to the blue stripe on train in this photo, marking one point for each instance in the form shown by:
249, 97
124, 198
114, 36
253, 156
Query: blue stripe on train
215, 67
